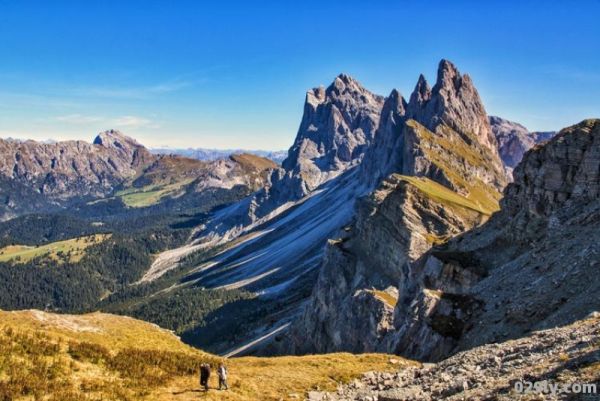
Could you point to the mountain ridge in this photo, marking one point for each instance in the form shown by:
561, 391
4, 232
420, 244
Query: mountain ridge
58, 174
437, 184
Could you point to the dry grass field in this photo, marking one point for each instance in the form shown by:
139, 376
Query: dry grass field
99, 356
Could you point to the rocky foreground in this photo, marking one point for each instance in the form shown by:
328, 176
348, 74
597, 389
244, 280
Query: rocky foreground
554, 361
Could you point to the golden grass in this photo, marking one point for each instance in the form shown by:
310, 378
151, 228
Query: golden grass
76, 247
442, 194
283, 378
437, 147
114, 332
385, 297
253, 161
100, 356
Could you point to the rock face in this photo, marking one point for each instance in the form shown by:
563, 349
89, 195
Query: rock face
557, 357
451, 109
337, 127
532, 265
448, 181
74, 168
454, 102
514, 140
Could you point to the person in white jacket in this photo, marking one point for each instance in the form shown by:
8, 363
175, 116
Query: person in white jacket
222, 372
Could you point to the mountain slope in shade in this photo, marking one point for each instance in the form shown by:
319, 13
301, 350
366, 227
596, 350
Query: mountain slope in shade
514, 140
337, 126
447, 181
451, 178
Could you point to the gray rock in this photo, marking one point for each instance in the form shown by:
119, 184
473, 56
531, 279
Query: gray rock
514, 140
367, 267
551, 356
535, 274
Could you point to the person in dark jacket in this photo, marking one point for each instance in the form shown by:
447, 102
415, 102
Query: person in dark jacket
204, 375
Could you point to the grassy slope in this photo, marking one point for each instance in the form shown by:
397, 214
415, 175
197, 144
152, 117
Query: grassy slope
445, 143
76, 246
442, 194
170, 174
101, 356
249, 161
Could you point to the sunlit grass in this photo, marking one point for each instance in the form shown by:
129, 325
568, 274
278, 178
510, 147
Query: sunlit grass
443, 194
149, 195
72, 249
450, 153
385, 297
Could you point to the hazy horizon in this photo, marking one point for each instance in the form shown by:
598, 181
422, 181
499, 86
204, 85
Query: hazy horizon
235, 75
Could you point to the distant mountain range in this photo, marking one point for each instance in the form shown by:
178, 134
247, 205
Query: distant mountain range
46, 176
213, 154
514, 140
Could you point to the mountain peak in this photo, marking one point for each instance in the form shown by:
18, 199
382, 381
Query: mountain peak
345, 78
453, 101
422, 91
114, 137
446, 69
450, 79
338, 125
344, 83
125, 147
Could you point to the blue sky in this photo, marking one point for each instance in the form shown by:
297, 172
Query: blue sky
234, 74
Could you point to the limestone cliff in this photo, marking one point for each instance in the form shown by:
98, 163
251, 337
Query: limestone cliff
533, 265
337, 128
449, 180
73, 168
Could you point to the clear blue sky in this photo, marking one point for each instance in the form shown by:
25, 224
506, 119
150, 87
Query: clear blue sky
234, 74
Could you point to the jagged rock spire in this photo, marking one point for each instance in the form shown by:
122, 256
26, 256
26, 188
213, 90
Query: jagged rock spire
338, 125
422, 92
385, 155
453, 101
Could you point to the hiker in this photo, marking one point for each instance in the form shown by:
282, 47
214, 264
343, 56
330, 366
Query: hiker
222, 372
204, 375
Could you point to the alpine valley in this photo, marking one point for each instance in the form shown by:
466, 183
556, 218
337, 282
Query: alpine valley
419, 227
